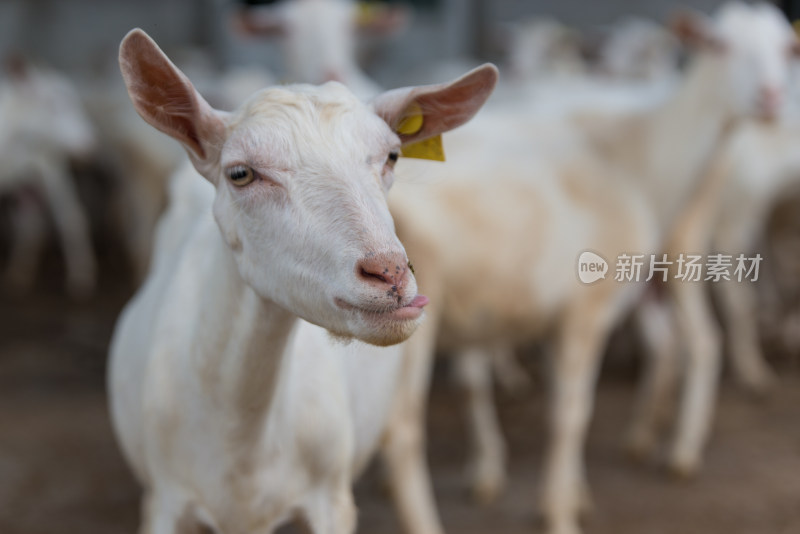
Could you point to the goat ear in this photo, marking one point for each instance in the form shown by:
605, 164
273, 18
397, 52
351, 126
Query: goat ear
168, 101
434, 109
696, 31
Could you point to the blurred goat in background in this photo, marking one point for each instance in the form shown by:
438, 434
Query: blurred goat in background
44, 127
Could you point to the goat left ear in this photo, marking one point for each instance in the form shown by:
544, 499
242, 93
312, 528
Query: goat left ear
434, 109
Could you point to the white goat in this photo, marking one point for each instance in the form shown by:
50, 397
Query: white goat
727, 216
319, 38
544, 47
620, 194
639, 49
560, 96
43, 126
235, 415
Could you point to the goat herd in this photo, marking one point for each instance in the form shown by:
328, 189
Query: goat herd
311, 261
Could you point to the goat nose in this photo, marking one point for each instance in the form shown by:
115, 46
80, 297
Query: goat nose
387, 271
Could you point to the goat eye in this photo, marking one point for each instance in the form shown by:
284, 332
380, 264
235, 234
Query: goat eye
241, 176
393, 156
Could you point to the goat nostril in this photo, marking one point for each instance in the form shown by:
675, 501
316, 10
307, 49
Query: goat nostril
377, 276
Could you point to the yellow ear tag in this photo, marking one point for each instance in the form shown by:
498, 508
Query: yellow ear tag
412, 123
366, 13
430, 148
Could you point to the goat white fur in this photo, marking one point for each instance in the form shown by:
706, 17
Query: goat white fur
233, 413
540, 47
319, 38
726, 216
638, 48
44, 124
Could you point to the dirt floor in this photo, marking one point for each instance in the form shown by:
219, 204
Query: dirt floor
60, 471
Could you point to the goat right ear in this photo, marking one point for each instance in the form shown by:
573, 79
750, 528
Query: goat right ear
168, 101
435, 109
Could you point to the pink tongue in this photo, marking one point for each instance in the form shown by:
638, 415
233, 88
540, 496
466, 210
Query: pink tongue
418, 302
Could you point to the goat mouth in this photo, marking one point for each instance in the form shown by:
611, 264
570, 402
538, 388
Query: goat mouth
410, 311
